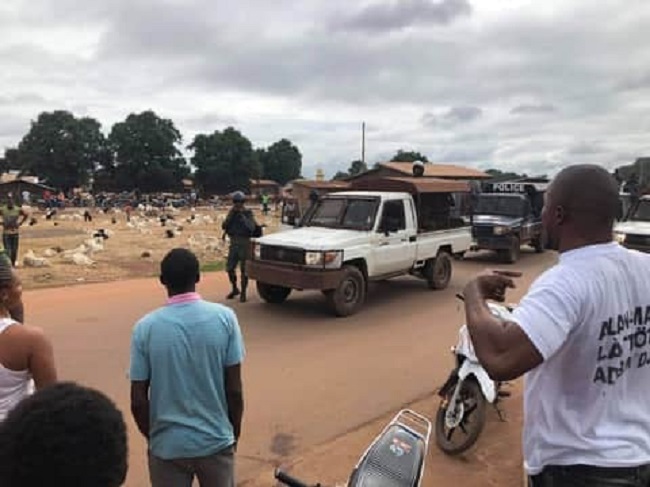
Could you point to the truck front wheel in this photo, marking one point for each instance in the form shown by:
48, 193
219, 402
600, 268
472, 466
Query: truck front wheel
273, 294
538, 243
511, 255
350, 294
438, 271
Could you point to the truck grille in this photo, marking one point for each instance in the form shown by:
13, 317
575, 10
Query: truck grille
637, 240
482, 231
282, 254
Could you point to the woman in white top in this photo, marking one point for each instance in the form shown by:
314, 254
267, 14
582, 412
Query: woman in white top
26, 356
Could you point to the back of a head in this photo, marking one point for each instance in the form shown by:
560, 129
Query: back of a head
179, 270
589, 195
64, 434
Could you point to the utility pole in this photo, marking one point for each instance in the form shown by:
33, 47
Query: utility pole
363, 142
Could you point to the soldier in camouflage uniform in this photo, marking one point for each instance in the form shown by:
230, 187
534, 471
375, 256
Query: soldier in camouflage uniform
240, 226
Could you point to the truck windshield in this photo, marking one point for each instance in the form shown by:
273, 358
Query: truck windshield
500, 205
641, 212
352, 213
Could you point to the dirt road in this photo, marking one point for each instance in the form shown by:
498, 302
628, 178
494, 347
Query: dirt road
311, 381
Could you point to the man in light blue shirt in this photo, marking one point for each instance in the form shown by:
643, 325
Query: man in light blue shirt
186, 388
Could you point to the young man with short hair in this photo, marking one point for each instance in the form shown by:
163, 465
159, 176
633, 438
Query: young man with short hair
186, 388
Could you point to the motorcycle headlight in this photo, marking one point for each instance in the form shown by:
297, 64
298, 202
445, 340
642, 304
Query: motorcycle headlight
501, 230
619, 237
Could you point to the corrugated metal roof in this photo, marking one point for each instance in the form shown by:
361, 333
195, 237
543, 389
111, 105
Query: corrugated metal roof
411, 185
435, 170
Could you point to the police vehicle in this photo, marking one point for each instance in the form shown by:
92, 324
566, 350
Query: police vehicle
634, 231
506, 216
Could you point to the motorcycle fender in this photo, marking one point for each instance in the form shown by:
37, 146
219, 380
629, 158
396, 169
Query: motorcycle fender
487, 385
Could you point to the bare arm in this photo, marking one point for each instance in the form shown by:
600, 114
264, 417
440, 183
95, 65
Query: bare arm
503, 349
41, 359
24, 216
140, 405
234, 397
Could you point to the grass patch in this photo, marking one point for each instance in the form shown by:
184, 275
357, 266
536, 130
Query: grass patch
213, 266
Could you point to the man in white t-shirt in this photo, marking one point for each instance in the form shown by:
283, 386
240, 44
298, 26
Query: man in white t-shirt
582, 336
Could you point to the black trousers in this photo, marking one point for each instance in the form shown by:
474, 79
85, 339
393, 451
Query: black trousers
590, 476
10, 242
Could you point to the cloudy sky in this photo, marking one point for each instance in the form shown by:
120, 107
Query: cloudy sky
526, 85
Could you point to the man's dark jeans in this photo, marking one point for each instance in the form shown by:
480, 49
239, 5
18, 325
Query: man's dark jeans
589, 476
10, 242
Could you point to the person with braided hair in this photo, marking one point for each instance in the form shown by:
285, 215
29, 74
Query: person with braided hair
26, 355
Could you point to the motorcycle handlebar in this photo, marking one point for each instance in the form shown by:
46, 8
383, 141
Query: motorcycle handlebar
288, 480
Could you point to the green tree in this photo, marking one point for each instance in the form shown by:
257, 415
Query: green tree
224, 161
357, 167
10, 160
146, 153
61, 149
282, 162
340, 175
498, 175
409, 156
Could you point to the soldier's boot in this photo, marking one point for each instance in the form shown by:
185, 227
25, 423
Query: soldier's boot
233, 281
244, 287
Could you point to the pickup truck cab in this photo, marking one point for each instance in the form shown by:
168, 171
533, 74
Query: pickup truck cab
634, 231
506, 219
354, 237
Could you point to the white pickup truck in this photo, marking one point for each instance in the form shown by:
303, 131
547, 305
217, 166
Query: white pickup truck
354, 237
634, 231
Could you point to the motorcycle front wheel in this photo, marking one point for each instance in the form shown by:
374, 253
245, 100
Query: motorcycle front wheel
461, 434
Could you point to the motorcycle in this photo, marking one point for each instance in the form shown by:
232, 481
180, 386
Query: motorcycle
464, 396
395, 458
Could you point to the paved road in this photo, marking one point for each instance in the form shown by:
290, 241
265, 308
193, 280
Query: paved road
309, 378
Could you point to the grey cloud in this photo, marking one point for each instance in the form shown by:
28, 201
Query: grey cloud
12, 127
154, 53
586, 149
533, 109
400, 14
22, 99
634, 83
454, 116
210, 120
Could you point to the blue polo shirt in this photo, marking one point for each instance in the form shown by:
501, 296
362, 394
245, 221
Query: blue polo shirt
183, 349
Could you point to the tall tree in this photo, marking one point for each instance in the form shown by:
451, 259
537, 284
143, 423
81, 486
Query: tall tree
61, 149
146, 152
409, 156
498, 175
357, 167
225, 161
340, 175
282, 162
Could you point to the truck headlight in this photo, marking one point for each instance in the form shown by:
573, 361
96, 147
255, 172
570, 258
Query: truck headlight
257, 251
331, 259
619, 237
501, 230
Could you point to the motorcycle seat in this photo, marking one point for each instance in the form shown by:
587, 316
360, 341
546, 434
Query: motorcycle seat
395, 459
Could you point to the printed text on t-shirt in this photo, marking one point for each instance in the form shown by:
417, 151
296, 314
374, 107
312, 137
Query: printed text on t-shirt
624, 343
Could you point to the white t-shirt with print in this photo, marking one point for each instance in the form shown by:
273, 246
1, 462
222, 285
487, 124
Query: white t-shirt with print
589, 401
